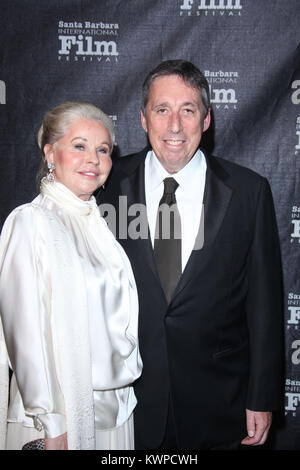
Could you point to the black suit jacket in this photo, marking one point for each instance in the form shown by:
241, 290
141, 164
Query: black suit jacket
216, 349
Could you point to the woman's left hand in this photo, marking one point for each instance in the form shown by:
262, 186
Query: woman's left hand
57, 443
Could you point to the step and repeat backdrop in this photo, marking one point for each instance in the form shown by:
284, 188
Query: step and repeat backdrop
101, 51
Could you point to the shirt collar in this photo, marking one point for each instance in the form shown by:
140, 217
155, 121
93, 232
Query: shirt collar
183, 177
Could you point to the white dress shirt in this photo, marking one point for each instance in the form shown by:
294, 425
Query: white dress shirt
189, 196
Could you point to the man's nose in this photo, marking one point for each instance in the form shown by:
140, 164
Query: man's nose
175, 124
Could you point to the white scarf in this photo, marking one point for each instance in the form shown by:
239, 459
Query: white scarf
3, 389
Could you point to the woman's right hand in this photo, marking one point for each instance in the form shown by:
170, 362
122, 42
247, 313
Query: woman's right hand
57, 443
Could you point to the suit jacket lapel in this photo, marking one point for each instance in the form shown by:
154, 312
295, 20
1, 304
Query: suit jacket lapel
133, 185
217, 196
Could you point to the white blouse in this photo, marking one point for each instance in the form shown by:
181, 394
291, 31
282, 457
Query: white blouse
34, 320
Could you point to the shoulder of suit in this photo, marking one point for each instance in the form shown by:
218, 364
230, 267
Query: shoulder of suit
125, 159
237, 171
128, 162
229, 169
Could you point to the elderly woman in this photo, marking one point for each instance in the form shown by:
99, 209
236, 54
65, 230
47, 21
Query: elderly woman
68, 299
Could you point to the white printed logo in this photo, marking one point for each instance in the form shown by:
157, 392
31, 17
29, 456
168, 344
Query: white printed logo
293, 311
114, 119
296, 232
295, 235
211, 7
292, 394
222, 88
80, 41
2, 92
293, 400
296, 94
296, 354
297, 146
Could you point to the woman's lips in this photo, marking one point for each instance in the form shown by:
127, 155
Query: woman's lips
89, 174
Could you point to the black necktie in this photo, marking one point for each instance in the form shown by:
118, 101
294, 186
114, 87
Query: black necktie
167, 244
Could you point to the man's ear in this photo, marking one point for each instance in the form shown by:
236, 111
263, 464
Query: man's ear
207, 120
144, 121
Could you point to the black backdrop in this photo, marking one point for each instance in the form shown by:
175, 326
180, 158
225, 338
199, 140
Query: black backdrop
101, 50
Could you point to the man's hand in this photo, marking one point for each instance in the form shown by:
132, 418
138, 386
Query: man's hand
57, 443
258, 425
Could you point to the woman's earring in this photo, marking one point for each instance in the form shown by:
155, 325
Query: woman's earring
50, 176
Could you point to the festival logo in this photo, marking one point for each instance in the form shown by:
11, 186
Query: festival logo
86, 41
292, 395
210, 8
222, 88
293, 311
296, 94
295, 235
296, 352
297, 146
114, 119
2, 92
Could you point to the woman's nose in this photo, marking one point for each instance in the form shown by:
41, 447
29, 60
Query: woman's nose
93, 157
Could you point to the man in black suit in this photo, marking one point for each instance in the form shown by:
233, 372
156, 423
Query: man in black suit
210, 325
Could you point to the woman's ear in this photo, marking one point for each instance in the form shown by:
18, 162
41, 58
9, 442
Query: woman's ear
48, 152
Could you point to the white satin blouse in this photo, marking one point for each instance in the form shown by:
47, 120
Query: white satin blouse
27, 305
